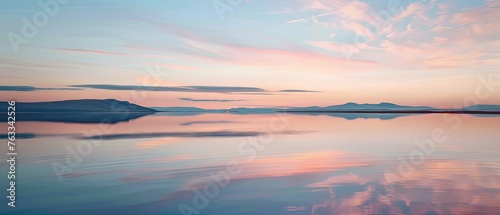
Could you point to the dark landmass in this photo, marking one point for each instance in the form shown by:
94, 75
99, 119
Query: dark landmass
112, 111
384, 110
107, 111
387, 111
491, 108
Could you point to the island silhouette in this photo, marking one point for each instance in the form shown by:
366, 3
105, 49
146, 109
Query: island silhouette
108, 111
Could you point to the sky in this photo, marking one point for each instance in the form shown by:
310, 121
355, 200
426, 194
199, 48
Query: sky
252, 53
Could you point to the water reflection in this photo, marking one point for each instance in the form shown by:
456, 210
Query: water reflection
317, 165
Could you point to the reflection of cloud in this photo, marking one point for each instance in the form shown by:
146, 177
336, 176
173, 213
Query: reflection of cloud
342, 179
30, 88
21, 136
268, 168
209, 100
298, 164
326, 185
440, 187
175, 158
157, 142
181, 135
292, 165
465, 182
206, 122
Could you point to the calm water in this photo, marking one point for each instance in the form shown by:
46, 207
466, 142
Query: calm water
260, 164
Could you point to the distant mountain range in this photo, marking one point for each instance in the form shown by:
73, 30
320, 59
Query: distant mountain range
381, 108
490, 108
354, 107
113, 111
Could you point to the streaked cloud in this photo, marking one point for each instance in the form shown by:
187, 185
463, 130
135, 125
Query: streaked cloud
298, 91
87, 51
206, 89
200, 89
30, 88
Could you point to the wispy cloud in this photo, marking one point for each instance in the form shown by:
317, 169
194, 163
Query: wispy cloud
30, 88
207, 89
200, 89
299, 91
87, 51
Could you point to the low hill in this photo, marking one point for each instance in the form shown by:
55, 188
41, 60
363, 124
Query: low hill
78, 106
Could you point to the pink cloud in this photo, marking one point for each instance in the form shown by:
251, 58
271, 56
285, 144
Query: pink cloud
440, 39
317, 5
356, 10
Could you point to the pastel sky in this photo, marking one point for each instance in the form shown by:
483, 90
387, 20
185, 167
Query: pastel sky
228, 53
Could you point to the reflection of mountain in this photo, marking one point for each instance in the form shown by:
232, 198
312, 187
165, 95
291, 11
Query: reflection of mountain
114, 111
485, 108
77, 117
78, 111
184, 111
353, 116
341, 184
206, 122
389, 108
350, 111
